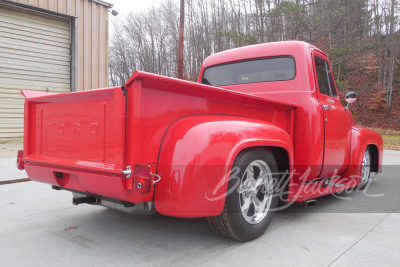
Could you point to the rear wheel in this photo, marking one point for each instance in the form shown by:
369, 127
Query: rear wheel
249, 206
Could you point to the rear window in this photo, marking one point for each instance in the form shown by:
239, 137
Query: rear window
251, 71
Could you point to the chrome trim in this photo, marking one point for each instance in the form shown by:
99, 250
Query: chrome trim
366, 167
157, 176
255, 191
326, 107
127, 172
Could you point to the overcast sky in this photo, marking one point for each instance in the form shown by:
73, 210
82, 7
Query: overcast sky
125, 6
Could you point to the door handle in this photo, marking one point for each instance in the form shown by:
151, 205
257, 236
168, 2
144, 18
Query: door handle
326, 107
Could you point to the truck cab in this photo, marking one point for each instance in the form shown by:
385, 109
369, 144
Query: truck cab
297, 73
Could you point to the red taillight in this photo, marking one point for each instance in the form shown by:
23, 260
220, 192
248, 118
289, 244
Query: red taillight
20, 163
142, 178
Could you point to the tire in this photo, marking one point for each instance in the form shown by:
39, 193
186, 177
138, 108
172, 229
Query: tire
239, 219
365, 169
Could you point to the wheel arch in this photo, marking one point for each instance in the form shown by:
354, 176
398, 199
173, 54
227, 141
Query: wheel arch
361, 138
197, 155
284, 165
373, 148
373, 140
280, 154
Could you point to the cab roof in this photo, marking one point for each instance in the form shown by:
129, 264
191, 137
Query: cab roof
258, 51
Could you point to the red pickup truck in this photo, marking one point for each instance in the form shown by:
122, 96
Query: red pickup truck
263, 122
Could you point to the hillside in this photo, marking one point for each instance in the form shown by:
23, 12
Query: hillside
370, 108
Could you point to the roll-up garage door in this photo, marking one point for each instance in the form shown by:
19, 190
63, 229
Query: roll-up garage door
34, 55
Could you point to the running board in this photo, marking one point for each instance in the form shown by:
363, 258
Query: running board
307, 203
329, 182
304, 191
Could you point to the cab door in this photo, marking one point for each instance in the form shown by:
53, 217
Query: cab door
337, 119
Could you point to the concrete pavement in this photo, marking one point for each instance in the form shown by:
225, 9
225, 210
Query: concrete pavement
8, 158
8, 167
40, 227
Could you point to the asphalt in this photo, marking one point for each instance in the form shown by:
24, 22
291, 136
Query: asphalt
40, 227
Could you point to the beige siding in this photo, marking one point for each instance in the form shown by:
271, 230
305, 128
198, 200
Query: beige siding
35, 55
35, 52
92, 37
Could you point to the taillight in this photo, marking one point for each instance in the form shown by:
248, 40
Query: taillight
142, 178
20, 162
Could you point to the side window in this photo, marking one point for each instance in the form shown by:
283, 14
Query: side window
331, 83
324, 77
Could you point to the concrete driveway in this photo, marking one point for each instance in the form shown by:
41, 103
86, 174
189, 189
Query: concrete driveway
40, 227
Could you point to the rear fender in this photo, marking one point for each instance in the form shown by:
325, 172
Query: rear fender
196, 157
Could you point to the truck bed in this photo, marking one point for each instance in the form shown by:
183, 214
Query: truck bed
84, 140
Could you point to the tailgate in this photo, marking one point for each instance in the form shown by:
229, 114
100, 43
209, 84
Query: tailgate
80, 130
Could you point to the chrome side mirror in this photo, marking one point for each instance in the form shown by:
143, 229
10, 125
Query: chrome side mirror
351, 97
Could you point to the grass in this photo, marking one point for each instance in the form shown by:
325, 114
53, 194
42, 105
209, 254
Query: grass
391, 138
391, 142
386, 131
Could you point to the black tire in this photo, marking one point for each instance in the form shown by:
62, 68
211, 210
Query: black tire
238, 225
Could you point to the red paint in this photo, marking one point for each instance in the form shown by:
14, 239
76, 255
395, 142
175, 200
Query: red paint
20, 162
198, 151
190, 133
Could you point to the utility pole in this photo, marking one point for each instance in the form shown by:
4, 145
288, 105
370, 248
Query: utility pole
181, 31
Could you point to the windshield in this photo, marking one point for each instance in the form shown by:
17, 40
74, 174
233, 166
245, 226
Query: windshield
251, 71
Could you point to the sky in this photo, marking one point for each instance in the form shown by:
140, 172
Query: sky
123, 7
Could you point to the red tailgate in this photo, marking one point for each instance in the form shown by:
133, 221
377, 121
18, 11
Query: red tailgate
82, 130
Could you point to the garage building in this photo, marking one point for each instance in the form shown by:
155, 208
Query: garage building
52, 46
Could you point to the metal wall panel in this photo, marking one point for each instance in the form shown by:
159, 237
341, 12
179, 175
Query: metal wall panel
34, 55
91, 37
47, 47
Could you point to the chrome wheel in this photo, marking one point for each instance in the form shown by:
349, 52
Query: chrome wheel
366, 167
250, 205
255, 191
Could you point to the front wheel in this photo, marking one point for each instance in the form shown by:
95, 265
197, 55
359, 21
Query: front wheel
365, 169
250, 205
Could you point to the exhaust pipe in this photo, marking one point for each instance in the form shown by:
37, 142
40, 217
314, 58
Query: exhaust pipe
86, 199
307, 203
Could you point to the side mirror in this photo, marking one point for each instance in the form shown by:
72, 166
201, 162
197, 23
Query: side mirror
351, 97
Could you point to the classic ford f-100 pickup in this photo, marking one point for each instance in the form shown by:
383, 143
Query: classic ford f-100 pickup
263, 123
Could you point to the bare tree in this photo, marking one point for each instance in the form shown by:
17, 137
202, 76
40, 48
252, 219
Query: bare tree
346, 29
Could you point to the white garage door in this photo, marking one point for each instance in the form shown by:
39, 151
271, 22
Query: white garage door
34, 55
